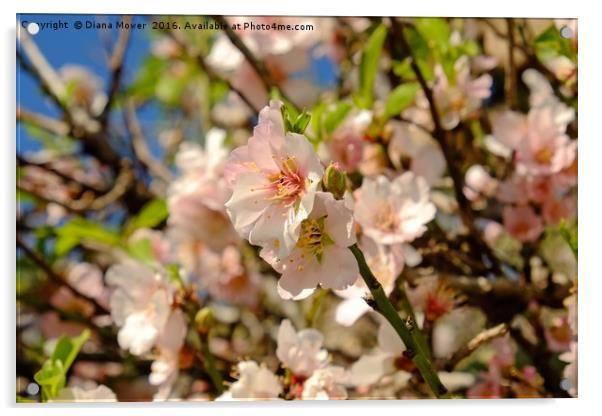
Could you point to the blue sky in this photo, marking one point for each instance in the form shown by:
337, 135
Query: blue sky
91, 48
84, 47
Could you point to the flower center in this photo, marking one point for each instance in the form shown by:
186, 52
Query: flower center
386, 219
313, 240
289, 183
544, 156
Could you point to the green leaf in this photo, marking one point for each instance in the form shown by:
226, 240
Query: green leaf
141, 250
53, 374
550, 44
78, 229
403, 69
151, 215
400, 98
67, 348
435, 30
316, 121
294, 121
570, 235
335, 117
51, 378
301, 123
369, 66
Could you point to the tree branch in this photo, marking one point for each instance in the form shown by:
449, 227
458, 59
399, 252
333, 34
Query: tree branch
56, 277
140, 147
511, 86
47, 166
472, 345
51, 125
116, 67
268, 81
442, 138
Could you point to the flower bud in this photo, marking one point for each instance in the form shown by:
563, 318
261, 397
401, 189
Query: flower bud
204, 320
335, 180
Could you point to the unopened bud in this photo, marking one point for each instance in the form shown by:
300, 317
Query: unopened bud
204, 320
335, 180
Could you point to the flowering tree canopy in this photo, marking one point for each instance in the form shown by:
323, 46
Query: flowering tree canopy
290, 208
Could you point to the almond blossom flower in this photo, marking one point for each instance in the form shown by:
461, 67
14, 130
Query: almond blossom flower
433, 298
140, 304
287, 56
554, 210
301, 351
539, 138
254, 383
196, 199
395, 211
320, 255
346, 143
479, 183
326, 384
164, 370
86, 278
275, 178
85, 88
412, 148
522, 223
455, 100
225, 276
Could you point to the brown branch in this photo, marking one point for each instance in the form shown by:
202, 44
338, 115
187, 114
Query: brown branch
268, 81
116, 67
82, 126
52, 125
48, 167
511, 85
526, 50
87, 202
140, 147
55, 86
472, 345
55, 276
442, 137
122, 184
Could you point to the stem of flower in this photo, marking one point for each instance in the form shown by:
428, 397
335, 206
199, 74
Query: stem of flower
413, 349
209, 363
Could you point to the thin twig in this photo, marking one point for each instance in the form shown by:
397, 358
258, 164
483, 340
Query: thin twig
511, 85
55, 276
87, 202
21, 161
268, 81
139, 145
54, 84
116, 66
472, 345
83, 127
51, 125
441, 136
